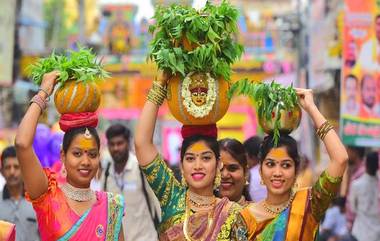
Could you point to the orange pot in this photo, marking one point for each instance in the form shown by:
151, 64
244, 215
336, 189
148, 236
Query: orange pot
74, 97
179, 111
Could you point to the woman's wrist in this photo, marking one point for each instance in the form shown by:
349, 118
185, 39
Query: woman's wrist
40, 101
44, 94
311, 109
157, 94
316, 116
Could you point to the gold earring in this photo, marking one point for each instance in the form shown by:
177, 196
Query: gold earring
183, 180
246, 182
262, 182
218, 179
62, 171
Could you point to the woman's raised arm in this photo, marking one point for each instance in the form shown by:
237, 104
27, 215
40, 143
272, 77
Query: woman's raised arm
35, 180
146, 151
335, 148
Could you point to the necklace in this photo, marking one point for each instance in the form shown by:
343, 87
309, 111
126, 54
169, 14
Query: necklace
200, 203
210, 220
77, 194
277, 209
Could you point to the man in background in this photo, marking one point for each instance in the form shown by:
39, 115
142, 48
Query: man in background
356, 169
334, 225
123, 175
364, 201
13, 206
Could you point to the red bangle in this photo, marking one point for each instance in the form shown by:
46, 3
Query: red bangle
39, 101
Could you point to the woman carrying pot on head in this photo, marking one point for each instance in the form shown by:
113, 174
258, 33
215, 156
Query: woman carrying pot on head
234, 183
288, 215
71, 211
190, 211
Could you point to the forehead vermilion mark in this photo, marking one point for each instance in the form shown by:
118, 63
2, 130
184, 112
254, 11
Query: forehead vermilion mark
198, 147
278, 153
85, 143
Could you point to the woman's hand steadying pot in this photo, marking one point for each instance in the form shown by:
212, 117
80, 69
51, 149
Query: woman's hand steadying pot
48, 82
163, 77
305, 98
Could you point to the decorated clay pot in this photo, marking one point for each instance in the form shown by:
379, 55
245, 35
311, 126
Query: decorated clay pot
197, 99
289, 120
74, 97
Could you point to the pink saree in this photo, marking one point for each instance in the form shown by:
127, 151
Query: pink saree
7, 231
57, 221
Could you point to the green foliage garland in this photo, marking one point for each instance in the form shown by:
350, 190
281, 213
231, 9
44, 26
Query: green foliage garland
268, 98
209, 31
80, 65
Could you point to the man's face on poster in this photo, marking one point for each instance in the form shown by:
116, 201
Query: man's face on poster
351, 88
377, 28
368, 91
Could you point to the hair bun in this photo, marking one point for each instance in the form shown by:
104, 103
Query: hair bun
75, 120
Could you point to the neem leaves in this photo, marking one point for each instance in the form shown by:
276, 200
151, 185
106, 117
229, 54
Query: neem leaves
186, 40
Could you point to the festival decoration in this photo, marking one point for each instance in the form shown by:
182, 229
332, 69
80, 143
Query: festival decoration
198, 48
78, 73
277, 106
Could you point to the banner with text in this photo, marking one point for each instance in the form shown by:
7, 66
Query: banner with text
360, 81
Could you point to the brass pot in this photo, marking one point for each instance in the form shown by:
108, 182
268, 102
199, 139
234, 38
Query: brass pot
289, 120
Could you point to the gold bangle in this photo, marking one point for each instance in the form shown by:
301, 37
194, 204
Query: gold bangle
157, 94
161, 90
324, 129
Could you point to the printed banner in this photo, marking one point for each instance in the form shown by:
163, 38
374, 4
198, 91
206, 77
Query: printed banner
360, 83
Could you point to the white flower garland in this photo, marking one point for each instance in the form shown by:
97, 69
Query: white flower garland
194, 110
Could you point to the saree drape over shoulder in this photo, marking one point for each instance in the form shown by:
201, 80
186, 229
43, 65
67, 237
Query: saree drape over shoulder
57, 221
300, 221
227, 222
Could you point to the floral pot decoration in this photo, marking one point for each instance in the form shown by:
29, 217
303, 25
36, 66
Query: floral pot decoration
198, 48
79, 72
277, 106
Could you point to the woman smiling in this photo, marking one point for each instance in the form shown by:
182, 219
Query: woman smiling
234, 184
287, 214
190, 211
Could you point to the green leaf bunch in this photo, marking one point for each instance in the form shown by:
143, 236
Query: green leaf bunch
268, 98
210, 30
81, 65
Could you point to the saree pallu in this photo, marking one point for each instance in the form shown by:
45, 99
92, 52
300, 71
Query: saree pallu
57, 221
7, 231
300, 221
294, 223
227, 221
